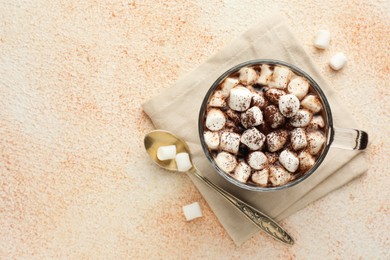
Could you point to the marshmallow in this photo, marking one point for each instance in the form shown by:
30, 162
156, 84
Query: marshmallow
252, 117
276, 140
289, 160
215, 119
272, 157
192, 211
301, 118
298, 139
247, 76
183, 162
306, 161
315, 141
166, 152
257, 160
299, 87
278, 175
242, 172
322, 39
260, 177
258, 100
288, 105
227, 85
253, 138
317, 122
230, 142
280, 77
273, 95
240, 98
312, 102
211, 139
226, 162
338, 61
217, 100
265, 75
273, 117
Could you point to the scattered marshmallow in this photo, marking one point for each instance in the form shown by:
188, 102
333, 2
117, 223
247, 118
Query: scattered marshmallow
211, 139
247, 76
265, 74
338, 61
315, 141
240, 98
276, 140
260, 177
279, 175
258, 100
274, 95
298, 139
227, 85
230, 142
289, 160
242, 172
257, 160
306, 161
252, 117
280, 77
183, 162
273, 117
302, 118
215, 119
317, 122
312, 102
217, 100
192, 211
299, 87
322, 39
253, 138
288, 105
226, 161
167, 152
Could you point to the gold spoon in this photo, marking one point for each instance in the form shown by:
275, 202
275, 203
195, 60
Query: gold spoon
157, 138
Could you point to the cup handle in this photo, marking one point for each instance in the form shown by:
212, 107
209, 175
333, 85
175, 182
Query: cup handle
350, 139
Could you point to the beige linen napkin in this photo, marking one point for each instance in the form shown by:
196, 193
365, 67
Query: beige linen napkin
177, 108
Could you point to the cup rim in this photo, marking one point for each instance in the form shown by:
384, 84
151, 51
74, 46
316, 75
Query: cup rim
297, 71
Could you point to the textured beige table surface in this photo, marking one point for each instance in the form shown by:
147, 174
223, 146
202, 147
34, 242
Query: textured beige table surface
74, 179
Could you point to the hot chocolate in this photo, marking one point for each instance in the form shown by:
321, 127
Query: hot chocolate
264, 125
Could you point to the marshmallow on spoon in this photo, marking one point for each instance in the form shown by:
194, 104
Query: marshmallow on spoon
322, 39
215, 119
183, 162
338, 61
167, 152
240, 98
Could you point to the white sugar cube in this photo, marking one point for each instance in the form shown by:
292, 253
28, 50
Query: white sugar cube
166, 152
183, 162
338, 61
192, 211
322, 39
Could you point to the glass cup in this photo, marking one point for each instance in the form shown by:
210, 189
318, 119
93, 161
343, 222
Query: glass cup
350, 139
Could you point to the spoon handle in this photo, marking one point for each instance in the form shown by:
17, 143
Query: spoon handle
258, 218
